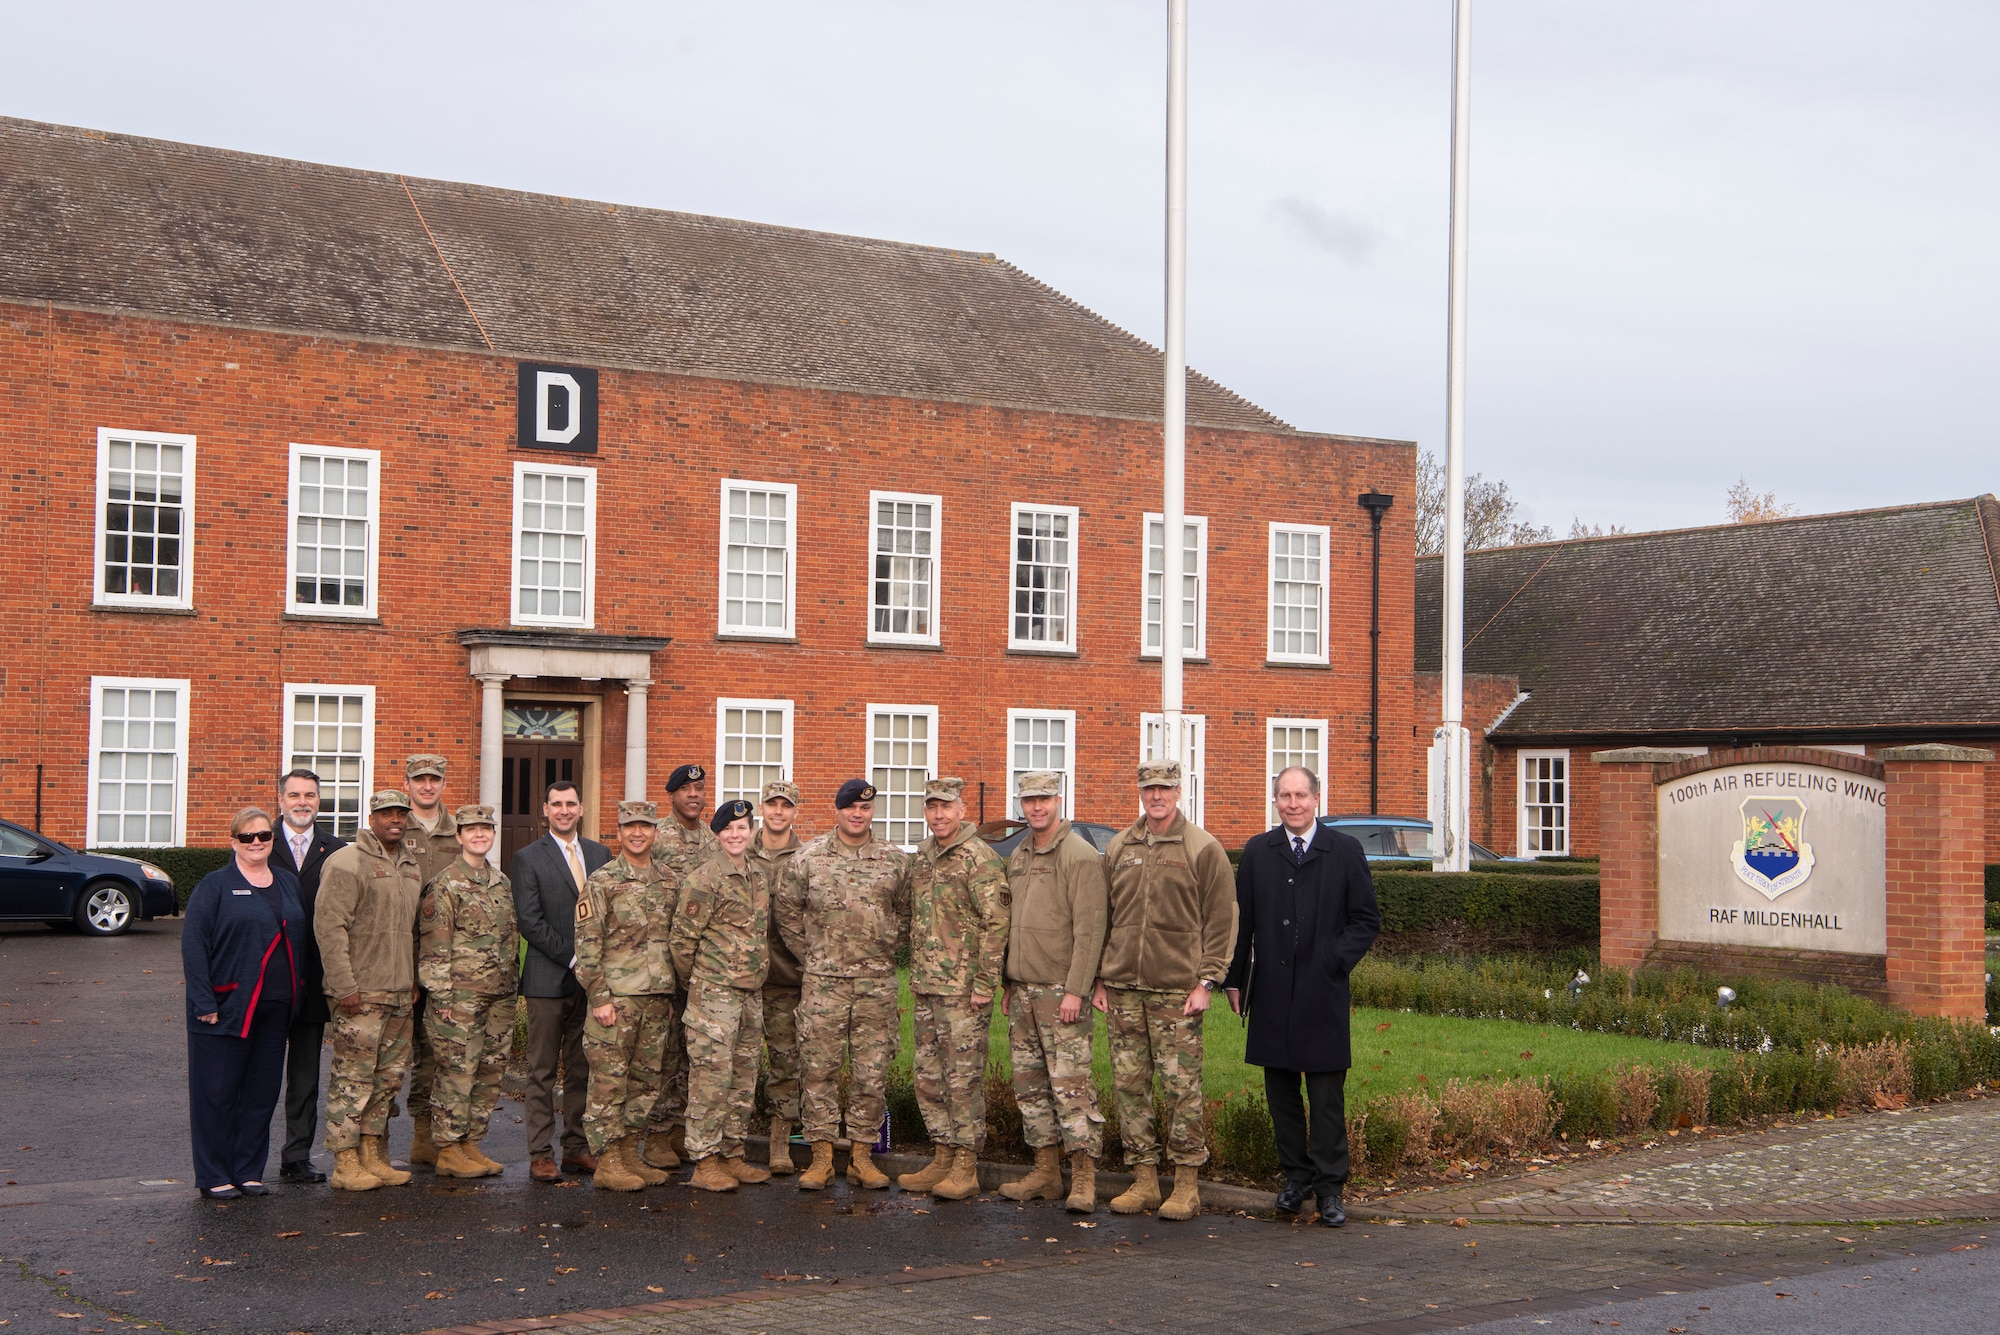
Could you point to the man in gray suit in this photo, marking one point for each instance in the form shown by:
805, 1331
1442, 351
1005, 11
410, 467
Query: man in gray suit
548, 875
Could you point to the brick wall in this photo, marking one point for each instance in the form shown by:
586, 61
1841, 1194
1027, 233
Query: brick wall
445, 424
1936, 879
1487, 697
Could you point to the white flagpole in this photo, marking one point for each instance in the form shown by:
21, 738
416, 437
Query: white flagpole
1173, 508
1452, 817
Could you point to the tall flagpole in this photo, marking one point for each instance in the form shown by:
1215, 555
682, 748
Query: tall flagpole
1452, 782
1173, 508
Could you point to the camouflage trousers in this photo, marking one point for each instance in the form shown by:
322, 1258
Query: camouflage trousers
471, 1036
725, 1031
670, 1109
423, 1061
949, 1062
371, 1051
1052, 1081
850, 1019
781, 1051
625, 1072
1149, 1036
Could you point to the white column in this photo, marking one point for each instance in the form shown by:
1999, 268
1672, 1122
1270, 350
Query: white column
635, 738
1451, 821
491, 751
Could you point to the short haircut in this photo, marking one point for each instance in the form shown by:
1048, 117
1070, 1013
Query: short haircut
291, 774
561, 785
1312, 779
245, 816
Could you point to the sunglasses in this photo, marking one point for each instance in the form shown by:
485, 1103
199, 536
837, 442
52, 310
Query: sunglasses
257, 837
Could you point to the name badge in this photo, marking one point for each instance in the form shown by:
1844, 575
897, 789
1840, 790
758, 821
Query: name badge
240, 892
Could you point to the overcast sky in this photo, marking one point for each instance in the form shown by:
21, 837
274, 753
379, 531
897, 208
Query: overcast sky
1711, 238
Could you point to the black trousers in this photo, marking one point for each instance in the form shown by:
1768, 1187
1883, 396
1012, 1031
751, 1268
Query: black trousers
232, 1090
1318, 1158
302, 1090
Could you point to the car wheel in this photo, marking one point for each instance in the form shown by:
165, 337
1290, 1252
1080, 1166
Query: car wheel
105, 909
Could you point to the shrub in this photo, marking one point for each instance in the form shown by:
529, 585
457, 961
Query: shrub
1589, 1104
1638, 1093
1003, 1118
1240, 1134
1542, 909
1993, 885
1874, 1075
186, 865
1386, 1135
1684, 1094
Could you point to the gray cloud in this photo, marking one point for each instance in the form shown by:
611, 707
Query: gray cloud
1335, 233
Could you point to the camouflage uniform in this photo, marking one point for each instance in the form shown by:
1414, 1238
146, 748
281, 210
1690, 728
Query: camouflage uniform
365, 919
843, 911
435, 850
718, 945
468, 966
676, 852
782, 986
959, 908
622, 920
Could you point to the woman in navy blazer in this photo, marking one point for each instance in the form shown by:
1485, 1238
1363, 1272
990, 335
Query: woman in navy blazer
239, 954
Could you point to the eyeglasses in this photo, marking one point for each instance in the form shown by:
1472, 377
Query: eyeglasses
256, 837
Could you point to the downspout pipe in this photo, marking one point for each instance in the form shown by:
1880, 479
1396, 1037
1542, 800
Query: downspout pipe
1376, 503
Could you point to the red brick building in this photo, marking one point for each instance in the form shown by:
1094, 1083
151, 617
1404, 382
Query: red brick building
311, 465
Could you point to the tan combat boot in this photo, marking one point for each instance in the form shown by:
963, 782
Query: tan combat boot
1185, 1203
781, 1147
423, 1149
710, 1175
492, 1165
931, 1173
634, 1162
659, 1151
612, 1174
1142, 1195
816, 1177
861, 1169
963, 1179
1044, 1183
743, 1170
453, 1160
1082, 1184
349, 1175
375, 1158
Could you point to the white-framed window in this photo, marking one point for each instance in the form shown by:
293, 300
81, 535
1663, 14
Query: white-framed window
902, 576
1289, 742
138, 762
1194, 589
1041, 739
1193, 757
555, 545
1544, 817
1043, 613
902, 754
1298, 593
753, 746
145, 514
330, 730
759, 560
330, 559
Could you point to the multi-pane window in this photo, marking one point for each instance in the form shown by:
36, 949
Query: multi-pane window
138, 762
759, 551
1041, 739
555, 545
1298, 593
753, 746
145, 499
903, 598
1044, 583
1194, 587
330, 730
1289, 742
335, 499
1193, 755
1544, 803
902, 754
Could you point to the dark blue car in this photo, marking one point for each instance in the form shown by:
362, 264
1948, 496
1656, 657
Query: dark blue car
42, 880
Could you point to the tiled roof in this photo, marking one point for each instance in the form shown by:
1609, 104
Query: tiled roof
184, 232
1883, 619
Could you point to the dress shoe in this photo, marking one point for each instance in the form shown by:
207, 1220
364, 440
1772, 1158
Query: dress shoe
545, 1170
1331, 1213
1293, 1198
302, 1172
253, 1189
222, 1193
583, 1161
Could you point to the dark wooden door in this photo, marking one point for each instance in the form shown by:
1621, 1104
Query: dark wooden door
527, 769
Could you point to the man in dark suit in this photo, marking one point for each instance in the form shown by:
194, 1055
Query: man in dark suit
548, 875
300, 849
1306, 914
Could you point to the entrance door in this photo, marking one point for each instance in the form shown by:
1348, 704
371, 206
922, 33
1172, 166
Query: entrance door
542, 744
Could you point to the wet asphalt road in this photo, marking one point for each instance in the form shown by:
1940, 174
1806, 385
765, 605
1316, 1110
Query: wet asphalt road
93, 1105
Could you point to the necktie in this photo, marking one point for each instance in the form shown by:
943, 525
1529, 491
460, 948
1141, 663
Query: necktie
575, 866
1298, 849
299, 843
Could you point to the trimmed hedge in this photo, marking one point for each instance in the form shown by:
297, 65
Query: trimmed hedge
186, 865
1556, 910
1993, 886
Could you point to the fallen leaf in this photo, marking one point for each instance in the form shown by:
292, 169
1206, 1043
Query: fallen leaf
434, 1294
689, 1258
1527, 1056
1051, 1239
1461, 1222
1843, 1239
1965, 1247
920, 1212
1309, 1264
571, 1270
654, 1288
297, 1232
210, 1260
1382, 1026
1084, 1224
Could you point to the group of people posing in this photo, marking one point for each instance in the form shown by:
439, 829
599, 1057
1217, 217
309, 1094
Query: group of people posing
660, 974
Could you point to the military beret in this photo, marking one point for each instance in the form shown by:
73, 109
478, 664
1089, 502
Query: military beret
1039, 783
416, 765
474, 815
389, 799
684, 776
777, 788
943, 790
727, 814
638, 813
1160, 774
854, 790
